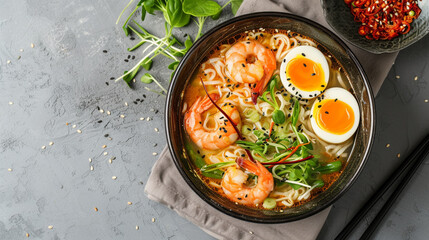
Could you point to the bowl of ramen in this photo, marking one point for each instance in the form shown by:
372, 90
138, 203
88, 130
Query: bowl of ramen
269, 117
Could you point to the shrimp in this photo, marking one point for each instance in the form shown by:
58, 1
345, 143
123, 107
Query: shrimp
250, 62
223, 135
234, 179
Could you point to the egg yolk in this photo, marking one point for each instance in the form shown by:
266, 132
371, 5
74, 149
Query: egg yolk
334, 116
305, 74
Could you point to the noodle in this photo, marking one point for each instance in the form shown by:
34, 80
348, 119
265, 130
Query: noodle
258, 117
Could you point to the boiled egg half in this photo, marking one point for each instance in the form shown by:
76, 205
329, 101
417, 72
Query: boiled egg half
335, 117
304, 72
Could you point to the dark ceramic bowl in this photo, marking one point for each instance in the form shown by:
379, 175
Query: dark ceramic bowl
275, 20
338, 16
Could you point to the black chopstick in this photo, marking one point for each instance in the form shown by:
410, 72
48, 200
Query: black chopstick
416, 155
405, 180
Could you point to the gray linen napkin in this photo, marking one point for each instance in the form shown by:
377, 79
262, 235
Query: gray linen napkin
165, 184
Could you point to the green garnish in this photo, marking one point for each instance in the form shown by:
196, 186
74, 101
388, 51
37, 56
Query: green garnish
216, 166
177, 14
269, 203
278, 115
330, 167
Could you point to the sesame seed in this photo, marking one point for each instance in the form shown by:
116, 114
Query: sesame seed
110, 160
9, 169
387, 145
91, 168
32, 45
108, 112
416, 78
148, 119
96, 209
114, 177
251, 232
101, 110
74, 126
129, 203
156, 130
398, 77
154, 153
137, 227
105, 153
21, 50
10, 103
43, 147
126, 104
27, 235
79, 131
8, 61
90, 159
121, 116
153, 219
142, 118
51, 143
50, 226
426, 100
104, 146
399, 155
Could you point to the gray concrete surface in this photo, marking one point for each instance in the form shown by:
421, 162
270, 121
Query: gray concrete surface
63, 80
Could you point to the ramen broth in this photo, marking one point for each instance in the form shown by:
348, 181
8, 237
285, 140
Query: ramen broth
213, 72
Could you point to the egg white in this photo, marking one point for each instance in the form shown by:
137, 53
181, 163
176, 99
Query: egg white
348, 98
311, 53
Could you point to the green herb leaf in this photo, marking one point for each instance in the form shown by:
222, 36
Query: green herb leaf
279, 117
295, 186
216, 166
188, 43
175, 15
199, 162
318, 184
235, 5
143, 13
330, 167
129, 78
150, 6
126, 30
173, 65
147, 78
272, 88
295, 113
201, 8
217, 15
140, 4
147, 64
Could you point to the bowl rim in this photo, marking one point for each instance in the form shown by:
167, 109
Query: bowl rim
168, 114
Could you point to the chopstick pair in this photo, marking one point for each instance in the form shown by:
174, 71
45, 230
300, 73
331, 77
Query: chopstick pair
412, 163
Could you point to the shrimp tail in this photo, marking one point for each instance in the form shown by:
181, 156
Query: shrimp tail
205, 104
260, 86
249, 165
